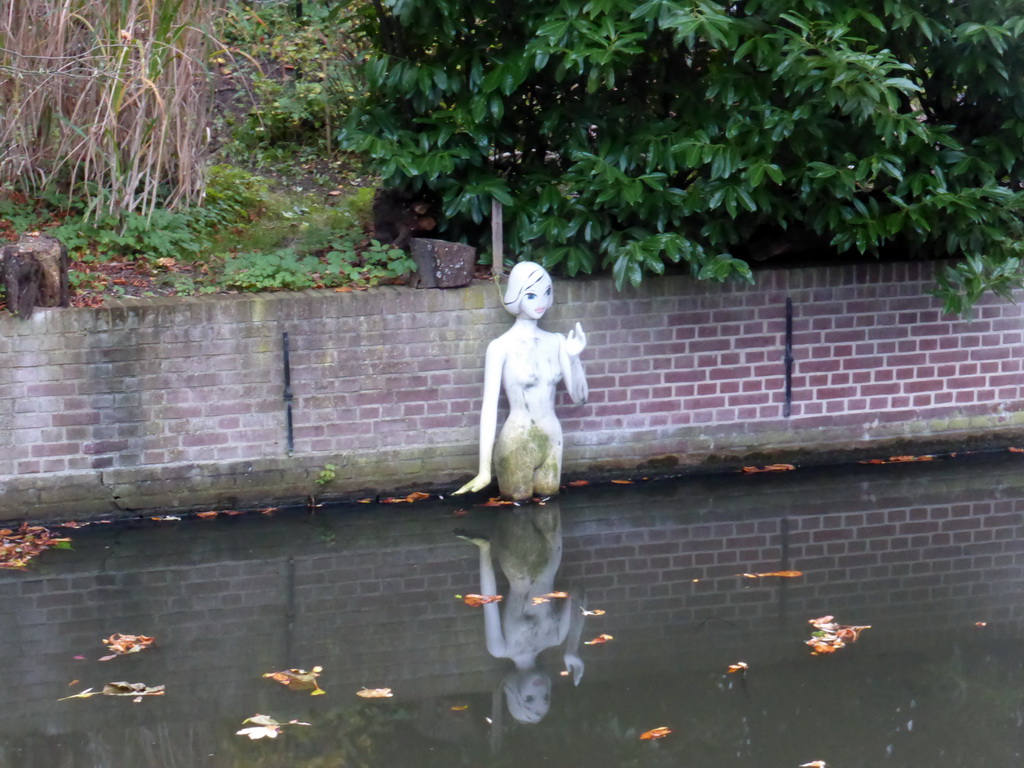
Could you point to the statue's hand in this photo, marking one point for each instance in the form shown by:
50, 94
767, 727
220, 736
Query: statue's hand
478, 483
575, 341
575, 665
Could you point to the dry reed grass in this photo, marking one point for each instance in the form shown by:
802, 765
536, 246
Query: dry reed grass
106, 99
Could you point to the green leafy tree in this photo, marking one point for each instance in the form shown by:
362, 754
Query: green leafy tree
630, 135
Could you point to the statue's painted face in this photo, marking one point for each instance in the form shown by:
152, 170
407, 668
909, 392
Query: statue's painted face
528, 280
537, 299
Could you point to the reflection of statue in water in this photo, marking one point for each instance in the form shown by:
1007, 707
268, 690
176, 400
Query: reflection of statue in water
527, 544
527, 363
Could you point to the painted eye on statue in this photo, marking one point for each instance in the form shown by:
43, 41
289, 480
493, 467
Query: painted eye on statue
531, 296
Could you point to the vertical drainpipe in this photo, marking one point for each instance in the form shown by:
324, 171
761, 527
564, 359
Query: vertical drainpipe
287, 393
788, 359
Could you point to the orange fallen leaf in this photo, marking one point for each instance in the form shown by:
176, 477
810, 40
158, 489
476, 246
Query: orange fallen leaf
739, 666
206, 515
578, 483
981, 623
599, 640
656, 733
124, 644
375, 693
1011, 449
460, 707
496, 502
770, 468
475, 600
814, 764
622, 482
343, 289
595, 612
777, 574
417, 495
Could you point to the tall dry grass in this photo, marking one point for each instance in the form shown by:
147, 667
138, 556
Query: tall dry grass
106, 99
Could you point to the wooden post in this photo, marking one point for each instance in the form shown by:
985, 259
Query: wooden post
497, 239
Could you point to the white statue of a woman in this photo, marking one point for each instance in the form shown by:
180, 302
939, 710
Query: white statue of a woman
527, 363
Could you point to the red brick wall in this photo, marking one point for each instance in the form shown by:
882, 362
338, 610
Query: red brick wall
179, 403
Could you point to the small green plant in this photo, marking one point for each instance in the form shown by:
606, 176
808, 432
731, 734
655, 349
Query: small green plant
327, 474
372, 265
281, 270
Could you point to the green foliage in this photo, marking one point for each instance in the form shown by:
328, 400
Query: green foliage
282, 270
346, 263
327, 474
300, 68
629, 136
372, 265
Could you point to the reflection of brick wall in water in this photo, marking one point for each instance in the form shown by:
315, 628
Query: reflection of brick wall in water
179, 403
375, 605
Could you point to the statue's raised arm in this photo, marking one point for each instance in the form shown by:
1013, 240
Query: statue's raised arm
527, 363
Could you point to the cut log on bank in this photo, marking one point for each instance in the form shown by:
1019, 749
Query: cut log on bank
34, 272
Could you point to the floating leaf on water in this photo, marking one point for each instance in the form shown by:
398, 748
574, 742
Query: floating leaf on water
829, 636
460, 707
17, 548
496, 502
578, 483
622, 482
981, 623
595, 612
125, 644
776, 574
814, 764
298, 679
264, 727
166, 518
769, 468
655, 733
375, 693
206, 515
476, 600
599, 640
739, 666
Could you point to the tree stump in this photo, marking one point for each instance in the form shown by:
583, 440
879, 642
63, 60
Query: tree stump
34, 273
440, 264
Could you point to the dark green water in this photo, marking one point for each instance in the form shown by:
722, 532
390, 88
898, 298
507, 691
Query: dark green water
930, 555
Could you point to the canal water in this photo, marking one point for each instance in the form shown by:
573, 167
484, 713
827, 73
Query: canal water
624, 607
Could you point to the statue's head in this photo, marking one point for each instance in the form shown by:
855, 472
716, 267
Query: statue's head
528, 293
527, 694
